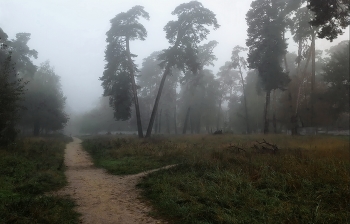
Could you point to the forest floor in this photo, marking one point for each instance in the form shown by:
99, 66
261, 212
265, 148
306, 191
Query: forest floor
102, 197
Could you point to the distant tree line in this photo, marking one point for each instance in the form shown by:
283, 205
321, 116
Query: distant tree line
31, 99
175, 91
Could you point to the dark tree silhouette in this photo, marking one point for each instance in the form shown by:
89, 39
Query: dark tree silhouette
118, 79
267, 47
184, 35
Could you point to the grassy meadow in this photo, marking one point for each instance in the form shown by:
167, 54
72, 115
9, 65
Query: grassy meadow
30, 168
236, 179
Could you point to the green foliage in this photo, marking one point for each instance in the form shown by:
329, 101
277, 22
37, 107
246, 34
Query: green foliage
331, 15
11, 93
128, 155
98, 119
202, 92
28, 169
22, 54
266, 44
118, 76
215, 181
255, 106
44, 102
185, 34
336, 75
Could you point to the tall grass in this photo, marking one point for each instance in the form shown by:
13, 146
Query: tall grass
28, 169
226, 179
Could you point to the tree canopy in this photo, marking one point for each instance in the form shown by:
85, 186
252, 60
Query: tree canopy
118, 79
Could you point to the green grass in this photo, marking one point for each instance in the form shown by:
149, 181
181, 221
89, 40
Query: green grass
306, 181
30, 168
123, 156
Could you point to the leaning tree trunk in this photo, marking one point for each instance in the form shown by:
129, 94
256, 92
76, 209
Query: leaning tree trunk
266, 112
134, 91
245, 101
161, 86
156, 103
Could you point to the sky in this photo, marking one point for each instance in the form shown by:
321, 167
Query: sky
71, 34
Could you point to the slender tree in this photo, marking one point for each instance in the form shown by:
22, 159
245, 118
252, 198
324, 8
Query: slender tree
15, 63
241, 63
184, 35
267, 47
118, 78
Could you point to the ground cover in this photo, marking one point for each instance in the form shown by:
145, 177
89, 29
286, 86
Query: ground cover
237, 179
29, 169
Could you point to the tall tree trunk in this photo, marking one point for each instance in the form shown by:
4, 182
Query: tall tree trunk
294, 116
36, 128
266, 112
274, 122
156, 124
156, 103
191, 122
167, 120
218, 117
186, 120
313, 75
175, 126
285, 56
245, 101
198, 124
134, 90
160, 121
303, 77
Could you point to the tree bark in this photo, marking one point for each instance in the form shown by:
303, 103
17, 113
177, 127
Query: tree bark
313, 75
134, 90
245, 101
160, 121
186, 120
175, 126
302, 78
156, 124
36, 128
218, 117
191, 122
274, 122
266, 112
167, 120
198, 123
156, 103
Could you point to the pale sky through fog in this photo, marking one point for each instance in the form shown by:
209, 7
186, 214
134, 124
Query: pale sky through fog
71, 34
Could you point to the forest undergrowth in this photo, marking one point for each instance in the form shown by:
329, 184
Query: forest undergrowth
29, 168
236, 179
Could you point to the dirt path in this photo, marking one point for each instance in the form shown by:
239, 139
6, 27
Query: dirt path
102, 197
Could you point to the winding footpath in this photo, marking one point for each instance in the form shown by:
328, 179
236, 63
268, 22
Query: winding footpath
102, 197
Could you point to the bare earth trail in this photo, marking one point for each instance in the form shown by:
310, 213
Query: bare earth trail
102, 197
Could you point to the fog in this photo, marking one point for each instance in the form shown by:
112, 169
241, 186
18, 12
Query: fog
71, 35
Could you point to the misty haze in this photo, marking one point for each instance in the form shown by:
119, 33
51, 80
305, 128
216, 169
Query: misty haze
174, 111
